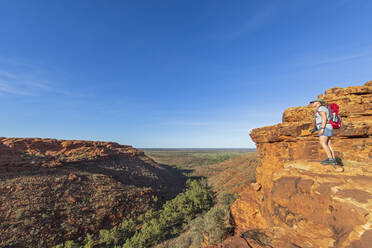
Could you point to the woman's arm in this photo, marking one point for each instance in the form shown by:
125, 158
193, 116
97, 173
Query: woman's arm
324, 121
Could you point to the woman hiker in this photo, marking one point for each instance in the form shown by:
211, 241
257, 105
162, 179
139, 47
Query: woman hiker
325, 129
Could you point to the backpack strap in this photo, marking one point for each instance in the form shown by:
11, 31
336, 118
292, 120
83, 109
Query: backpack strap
329, 117
341, 120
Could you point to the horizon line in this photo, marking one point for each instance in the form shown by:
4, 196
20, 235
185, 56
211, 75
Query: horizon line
200, 148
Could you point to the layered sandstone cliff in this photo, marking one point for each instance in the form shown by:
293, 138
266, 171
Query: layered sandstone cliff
18, 154
297, 202
56, 190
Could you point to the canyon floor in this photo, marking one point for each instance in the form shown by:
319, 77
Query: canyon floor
225, 169
227, 172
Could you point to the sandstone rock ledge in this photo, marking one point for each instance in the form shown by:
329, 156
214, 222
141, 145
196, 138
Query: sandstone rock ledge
301, 203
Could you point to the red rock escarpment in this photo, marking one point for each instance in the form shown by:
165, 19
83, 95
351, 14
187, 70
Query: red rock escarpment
22, 153
55, 190
301, 203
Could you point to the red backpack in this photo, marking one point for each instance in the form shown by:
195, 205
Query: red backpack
334, 119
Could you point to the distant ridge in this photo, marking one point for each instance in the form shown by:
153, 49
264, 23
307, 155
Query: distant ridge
200, 149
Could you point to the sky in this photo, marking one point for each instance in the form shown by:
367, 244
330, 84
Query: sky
173, 74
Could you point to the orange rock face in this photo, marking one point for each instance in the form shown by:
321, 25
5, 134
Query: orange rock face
22, 153
302, 203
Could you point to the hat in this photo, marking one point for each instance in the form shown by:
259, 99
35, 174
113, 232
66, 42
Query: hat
316, 100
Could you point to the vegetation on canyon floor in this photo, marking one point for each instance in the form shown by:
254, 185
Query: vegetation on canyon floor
191, 159
180, 222
155, 226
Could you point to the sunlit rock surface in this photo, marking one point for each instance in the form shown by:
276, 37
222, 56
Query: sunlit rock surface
301, 203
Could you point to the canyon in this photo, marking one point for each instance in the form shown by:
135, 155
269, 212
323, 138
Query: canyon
57, 190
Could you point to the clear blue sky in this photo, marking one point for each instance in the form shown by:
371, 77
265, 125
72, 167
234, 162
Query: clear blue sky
195, 73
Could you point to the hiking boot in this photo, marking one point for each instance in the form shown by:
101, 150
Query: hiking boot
329, 161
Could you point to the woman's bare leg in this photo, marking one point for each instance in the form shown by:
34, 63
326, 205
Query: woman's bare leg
323, 140
331, 148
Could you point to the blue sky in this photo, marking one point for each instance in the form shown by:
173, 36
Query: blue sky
196, 73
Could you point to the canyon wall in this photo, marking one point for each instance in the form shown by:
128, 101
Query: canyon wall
17, 154
56, 190
296, 201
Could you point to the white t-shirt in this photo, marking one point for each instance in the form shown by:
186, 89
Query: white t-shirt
318, 118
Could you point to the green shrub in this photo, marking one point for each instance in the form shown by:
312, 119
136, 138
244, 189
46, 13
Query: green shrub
68, 244
117, 235
89, 241
196, 231
19, 213
27, 222
215, 224
157, 226
174, 216
227, 199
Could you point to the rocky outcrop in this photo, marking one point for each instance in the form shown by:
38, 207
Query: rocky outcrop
297, 202
18, 154
56, 190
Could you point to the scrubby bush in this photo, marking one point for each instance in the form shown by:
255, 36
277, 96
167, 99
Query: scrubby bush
196, 231
216, 221
117, 235
214, 225
156, 226
174, 216
19, 213
227, 199
68, 244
